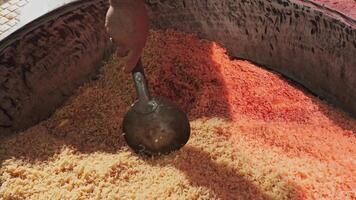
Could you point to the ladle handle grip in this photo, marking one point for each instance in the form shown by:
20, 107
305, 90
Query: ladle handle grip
140, 81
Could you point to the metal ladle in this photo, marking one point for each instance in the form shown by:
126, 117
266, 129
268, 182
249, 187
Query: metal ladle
154, 126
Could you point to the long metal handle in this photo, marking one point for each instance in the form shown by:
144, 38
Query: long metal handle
141, 84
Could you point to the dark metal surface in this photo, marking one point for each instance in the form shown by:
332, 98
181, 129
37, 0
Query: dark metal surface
156, 125
45, 61
30, 23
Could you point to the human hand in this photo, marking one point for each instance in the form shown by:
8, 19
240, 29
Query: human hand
128, 25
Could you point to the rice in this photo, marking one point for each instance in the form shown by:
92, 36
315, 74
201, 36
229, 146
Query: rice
255, 135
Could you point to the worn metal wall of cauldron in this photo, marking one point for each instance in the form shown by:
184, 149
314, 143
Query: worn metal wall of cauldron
311, 44
40, 69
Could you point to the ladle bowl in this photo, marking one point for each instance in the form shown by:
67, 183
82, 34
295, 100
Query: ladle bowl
154, 126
